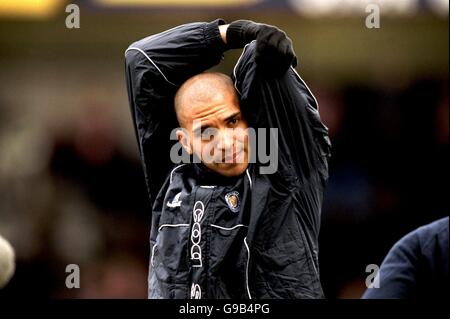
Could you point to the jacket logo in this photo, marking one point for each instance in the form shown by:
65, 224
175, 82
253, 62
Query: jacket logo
196, 291
176, 202
233, 201
196, 234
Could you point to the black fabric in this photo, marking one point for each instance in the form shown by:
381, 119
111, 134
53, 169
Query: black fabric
274, 49
268, 246
221, 273
241, 32
152, 86
416, 266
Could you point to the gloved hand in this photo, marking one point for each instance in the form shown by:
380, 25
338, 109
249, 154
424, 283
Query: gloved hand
274, 51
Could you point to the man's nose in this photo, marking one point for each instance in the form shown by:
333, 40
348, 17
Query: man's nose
225, 139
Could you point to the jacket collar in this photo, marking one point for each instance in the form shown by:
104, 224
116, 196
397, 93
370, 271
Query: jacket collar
206, 176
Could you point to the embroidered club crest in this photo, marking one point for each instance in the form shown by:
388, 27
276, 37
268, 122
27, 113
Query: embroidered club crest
233, 201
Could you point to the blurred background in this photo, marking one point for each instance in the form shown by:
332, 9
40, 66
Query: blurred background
72, 189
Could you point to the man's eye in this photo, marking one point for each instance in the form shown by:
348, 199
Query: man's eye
208, 133
234, 121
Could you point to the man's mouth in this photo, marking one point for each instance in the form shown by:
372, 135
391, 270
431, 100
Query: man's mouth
234, 157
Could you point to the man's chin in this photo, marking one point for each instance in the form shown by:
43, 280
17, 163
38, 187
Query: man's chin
230, 169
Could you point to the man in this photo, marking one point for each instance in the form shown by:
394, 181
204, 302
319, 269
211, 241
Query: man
226, 228
416, 266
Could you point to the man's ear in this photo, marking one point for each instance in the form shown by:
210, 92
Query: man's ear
183, 138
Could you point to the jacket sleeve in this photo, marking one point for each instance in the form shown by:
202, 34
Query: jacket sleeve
287, 104
155, 68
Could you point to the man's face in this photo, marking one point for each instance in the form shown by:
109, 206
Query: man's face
217, 133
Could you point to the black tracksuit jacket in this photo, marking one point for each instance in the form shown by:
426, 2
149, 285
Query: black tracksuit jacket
265, 243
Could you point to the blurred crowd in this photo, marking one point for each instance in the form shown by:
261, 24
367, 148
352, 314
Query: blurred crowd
388, 174
75, 198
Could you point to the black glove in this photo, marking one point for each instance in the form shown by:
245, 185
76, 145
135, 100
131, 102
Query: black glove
274, 49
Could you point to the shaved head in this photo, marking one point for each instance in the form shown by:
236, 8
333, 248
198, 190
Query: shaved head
212, 126
199, 90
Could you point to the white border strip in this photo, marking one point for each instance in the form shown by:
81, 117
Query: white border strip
151, 61
246, 272
171, 173
153, 254
304, 83
172, 225
237, 63
228, 228
249, 179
